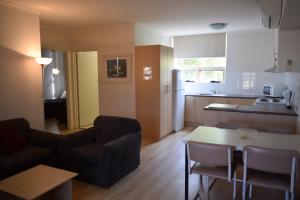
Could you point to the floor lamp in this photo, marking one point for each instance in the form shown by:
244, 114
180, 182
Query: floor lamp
43, 62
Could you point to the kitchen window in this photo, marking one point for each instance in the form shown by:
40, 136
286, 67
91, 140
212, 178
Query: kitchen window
203, 70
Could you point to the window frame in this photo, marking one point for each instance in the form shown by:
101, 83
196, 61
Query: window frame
204, 69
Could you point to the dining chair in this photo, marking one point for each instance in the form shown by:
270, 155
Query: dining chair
211, 160
270, 168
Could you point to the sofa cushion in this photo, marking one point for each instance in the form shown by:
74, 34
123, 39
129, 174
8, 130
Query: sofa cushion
27, 157
11, 141
89, 153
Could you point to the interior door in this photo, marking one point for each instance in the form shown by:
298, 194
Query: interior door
164, 91
88, 87
171, 91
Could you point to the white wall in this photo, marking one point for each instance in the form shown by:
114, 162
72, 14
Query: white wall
20, 76
20, 31
248, 55
115, 98
143, 36
54, 38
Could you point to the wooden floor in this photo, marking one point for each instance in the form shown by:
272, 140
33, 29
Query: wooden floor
161, 176
53, 126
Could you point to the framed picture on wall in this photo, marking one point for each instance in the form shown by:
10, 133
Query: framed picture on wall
117, 68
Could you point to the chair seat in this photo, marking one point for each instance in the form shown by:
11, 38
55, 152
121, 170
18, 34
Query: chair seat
269, 180
217, 172
89, 153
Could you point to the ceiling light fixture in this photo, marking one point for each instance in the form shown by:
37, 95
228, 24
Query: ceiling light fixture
217, 26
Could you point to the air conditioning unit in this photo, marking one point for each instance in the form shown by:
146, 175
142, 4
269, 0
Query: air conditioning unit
271, 11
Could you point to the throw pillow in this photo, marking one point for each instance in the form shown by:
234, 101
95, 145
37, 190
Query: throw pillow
11, 141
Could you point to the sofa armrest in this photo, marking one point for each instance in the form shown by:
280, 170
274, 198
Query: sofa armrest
42, 139
124, 150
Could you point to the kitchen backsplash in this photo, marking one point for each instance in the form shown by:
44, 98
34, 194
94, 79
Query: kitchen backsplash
249, 83
239, 83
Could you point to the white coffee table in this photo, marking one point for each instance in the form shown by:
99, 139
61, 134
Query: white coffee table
42, 182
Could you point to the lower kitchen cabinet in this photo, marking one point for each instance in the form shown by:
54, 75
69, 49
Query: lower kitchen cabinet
196, 115
190, 114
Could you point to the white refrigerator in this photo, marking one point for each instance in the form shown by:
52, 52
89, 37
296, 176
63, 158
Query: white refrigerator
178, 100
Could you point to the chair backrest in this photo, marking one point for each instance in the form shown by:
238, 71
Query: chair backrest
210, 154
233, 125
272, 128
20, 124
109, 128
270, 160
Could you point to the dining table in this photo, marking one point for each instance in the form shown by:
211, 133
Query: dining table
239, 138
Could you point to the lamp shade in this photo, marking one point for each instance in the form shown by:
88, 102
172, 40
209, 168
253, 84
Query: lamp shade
43, 61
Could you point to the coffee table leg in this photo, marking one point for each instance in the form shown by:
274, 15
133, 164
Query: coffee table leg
186, 192
61, 192
64, 191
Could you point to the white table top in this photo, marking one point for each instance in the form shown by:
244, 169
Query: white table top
239, 138
36, 181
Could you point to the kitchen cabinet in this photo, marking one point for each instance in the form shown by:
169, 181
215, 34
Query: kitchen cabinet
190, 114
196, 115
214, 117
154, 103
288, 50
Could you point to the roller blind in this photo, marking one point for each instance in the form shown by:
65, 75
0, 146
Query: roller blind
195, 46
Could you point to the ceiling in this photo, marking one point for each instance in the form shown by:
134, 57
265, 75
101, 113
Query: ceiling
168, 17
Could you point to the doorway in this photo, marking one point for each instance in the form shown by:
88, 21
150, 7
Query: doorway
88, 87
54, 92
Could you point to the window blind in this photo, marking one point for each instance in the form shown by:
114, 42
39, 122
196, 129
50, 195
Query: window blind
204, 45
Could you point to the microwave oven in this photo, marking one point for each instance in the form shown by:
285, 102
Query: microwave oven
274, 90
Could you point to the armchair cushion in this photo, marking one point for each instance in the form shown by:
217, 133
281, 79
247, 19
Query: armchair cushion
89, 153
11, 140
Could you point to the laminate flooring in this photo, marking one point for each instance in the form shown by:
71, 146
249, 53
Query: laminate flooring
160, 176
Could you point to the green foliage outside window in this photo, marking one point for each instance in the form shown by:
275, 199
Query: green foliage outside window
202, 70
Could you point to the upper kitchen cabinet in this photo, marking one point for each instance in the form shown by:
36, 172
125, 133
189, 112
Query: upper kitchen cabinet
154, 103
289, 37
288, 51
284, 16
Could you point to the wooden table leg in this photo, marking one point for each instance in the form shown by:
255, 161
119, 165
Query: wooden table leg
61, 192
186, 188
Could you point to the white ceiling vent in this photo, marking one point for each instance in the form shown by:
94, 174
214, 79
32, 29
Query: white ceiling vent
271, 11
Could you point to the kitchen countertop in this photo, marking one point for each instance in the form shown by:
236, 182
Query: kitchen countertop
242, 96
272, 109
